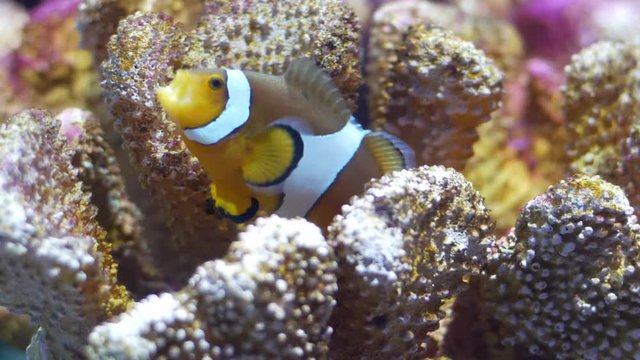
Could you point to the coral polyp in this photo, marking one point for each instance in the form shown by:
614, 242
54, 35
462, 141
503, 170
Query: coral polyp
514, 237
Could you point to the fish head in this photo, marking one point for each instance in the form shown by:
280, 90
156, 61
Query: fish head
194, 97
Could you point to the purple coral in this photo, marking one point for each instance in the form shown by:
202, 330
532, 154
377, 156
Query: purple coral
555, 29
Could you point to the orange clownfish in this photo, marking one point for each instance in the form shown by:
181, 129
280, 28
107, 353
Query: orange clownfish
280, 144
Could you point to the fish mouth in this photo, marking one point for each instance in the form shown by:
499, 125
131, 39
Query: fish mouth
177, 94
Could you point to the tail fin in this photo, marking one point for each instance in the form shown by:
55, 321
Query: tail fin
390, 152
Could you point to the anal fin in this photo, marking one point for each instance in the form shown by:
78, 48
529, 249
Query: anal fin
237, 205
390, 152
275, 153
318, 88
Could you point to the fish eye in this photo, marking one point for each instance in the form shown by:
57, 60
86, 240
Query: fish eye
216, 83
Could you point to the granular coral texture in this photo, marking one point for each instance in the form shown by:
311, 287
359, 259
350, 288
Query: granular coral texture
98, 19
628, 173
411, 241
603, 109
567, 284
101, 177
270, 297
433, 91
54, 264
265, 35
602, 102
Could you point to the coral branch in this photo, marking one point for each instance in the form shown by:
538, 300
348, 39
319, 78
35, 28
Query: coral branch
410, 242
568, 281
431, 89
603, 112
54, 263
270, 297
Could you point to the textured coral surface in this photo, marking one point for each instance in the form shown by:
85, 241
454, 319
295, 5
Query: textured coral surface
517, 94
411, 241
55, 265
270, 297
431, 88
568, 283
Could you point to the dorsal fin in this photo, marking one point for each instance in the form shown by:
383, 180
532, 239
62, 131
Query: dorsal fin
318, 88
390, 152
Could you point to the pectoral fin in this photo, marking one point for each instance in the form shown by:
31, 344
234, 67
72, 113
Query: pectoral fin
318, 88
275, 153
390, 152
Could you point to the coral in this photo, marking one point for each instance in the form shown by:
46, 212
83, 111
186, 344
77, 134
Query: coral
555, 29
628, 173
148, 48
271, 296
55, 265
15, 17
432, 90
411, 241
169, 172
101, 177
98, 19
602, 104
49, 69
501, 176
568, 281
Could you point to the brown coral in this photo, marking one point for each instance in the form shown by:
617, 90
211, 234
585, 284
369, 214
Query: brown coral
410, 242
431, 89
98, 19
568, 281
270, 297
55, 264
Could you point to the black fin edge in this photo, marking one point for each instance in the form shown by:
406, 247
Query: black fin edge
406, 152
298, 151
245, 216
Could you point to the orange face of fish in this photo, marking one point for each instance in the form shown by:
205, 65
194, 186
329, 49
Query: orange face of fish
194, 98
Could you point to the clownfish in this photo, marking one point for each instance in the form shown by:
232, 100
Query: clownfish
283, 144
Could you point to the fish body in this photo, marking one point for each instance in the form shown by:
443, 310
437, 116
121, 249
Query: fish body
285, 144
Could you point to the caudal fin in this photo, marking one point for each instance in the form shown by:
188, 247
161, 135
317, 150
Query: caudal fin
390, 152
